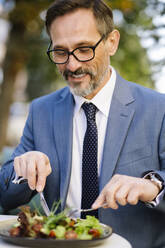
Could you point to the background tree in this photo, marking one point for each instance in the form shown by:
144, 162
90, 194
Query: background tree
24, 18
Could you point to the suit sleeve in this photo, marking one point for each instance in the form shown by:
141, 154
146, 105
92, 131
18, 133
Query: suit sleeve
161, 148
11, 195
161, 172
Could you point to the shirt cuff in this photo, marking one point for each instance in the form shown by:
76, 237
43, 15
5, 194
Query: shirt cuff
159, 197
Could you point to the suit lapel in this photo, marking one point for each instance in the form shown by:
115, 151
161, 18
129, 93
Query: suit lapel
120, 117
63, 129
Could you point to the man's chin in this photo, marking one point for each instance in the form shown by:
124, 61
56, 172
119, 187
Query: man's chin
76, 91
80, 92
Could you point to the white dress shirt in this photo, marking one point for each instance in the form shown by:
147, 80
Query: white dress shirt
102, 101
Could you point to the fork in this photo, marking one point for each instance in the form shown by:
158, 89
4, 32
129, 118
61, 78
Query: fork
19, 180
80, 210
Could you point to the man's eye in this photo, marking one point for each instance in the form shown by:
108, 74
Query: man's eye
59, 52
84, 49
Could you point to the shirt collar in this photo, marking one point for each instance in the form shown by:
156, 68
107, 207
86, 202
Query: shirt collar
103, 98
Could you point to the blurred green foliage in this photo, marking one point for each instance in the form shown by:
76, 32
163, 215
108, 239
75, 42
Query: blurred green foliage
30, 41
131, 60
27, 44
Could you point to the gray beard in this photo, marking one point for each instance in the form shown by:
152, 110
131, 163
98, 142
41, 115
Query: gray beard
85, 92
91, 87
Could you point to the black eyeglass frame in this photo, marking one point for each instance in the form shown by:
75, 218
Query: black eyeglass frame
72, 52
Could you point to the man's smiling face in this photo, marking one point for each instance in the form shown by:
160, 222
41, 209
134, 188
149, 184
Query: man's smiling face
74, 30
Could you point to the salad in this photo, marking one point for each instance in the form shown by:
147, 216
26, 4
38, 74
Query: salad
55, 226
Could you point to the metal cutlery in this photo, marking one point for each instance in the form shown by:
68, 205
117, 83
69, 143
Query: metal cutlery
20, 180
44, 204
79, 210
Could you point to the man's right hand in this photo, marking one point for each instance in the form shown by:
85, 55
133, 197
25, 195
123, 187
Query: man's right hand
35, 167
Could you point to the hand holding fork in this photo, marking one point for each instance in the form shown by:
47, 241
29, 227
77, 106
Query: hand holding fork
20, 180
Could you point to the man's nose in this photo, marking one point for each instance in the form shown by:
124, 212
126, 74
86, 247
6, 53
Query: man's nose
73, 64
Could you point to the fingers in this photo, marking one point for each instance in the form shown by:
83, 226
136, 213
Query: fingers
133, 196
43, 170
35, 167
122, 195
122, 190
31, 174
17, 166
99, 201
107, 195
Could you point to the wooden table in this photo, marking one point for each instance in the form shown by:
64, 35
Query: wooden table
114, 241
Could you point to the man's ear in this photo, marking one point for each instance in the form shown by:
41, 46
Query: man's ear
113, 42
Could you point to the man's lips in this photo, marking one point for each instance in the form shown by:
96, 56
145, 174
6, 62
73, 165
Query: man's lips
77, 78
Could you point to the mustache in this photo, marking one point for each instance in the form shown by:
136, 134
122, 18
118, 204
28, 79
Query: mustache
79, 71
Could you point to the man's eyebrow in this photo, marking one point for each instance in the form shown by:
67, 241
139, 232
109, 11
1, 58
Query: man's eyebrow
80, 44
59, 47
85, 43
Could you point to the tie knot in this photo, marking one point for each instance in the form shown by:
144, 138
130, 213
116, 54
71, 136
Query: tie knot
90, 110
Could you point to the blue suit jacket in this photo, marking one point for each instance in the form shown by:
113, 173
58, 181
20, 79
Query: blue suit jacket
134, 143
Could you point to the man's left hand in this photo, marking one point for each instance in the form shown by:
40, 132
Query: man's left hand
124, 190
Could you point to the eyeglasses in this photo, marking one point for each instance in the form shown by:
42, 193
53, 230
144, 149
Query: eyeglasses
82, 54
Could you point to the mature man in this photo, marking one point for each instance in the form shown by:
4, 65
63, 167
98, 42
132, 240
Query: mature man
99, 140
